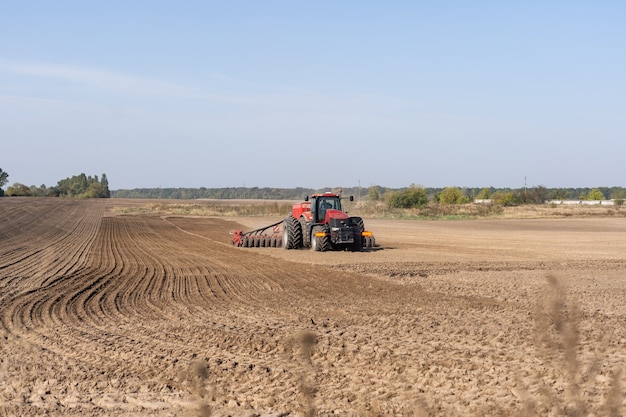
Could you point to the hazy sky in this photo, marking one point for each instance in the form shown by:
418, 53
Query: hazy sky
314, 94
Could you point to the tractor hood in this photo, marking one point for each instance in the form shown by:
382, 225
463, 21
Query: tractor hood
335, 214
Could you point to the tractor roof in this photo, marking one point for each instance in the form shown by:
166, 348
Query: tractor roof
326, 195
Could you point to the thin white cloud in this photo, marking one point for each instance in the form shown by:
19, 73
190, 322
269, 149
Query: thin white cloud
264, 99
126, 84
108, 80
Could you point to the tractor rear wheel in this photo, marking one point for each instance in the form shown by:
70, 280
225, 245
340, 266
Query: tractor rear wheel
306, 242
292, 234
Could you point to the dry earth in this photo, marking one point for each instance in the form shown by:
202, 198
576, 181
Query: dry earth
106, 314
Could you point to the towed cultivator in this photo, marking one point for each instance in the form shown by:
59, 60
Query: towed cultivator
259, 238
317, 223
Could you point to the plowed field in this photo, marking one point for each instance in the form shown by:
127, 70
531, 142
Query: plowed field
128, 315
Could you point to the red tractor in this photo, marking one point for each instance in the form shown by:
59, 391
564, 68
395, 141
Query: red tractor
320, 223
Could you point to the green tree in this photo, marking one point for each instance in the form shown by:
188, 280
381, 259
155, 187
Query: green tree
84, 186
95, 190
618, 195
537, 195
4, 178
18, 190
595, 194
505, 198
373, 194
410, 198
104, 181
559, 194
484, 194
452, 195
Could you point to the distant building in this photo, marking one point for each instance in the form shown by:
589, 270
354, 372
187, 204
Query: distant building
582, 202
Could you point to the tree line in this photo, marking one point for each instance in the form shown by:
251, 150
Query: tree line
418, 196
83, 186
412, 196
79, 186
227, 193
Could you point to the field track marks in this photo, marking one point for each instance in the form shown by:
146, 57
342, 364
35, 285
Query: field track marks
37, 250
127, 310
53, 245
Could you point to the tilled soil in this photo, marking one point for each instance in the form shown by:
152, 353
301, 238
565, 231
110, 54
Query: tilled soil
125, 315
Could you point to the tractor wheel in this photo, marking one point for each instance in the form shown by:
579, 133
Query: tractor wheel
359, 223
292, 234
320, 243
306, 241
359, 240
315, 241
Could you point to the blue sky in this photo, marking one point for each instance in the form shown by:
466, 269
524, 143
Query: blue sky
317, 94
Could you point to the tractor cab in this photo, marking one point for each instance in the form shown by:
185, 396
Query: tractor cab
321, 203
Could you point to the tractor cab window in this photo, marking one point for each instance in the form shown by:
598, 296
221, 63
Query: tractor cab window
325, 204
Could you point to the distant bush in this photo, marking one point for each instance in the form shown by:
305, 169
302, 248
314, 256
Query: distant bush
412, 197
594, 194
373, 194
484, 194
618, 196
18, 190
452, 195
505, 198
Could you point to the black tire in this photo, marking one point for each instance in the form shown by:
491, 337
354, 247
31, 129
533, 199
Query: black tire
359, 240
320, 243
316, 244
306, 241
359, 222
292, 234
325, 244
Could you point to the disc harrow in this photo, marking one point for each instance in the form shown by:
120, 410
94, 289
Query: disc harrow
264, 237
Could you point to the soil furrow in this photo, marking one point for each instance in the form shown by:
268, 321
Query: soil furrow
143, 315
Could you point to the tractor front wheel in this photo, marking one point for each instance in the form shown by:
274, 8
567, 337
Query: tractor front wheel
320, 243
